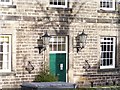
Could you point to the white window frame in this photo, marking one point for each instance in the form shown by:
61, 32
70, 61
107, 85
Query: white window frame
6, 3
113, 52
107, 8
52, 43
6, 68
59, 6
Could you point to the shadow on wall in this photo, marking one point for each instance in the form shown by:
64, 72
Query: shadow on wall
94, 76
57, 22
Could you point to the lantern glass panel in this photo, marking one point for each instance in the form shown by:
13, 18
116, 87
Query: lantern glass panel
46, 40
83, 38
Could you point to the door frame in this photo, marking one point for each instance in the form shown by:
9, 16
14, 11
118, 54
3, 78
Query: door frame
66, 51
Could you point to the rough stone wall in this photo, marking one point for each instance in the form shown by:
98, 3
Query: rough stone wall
28, 20
19, 21
96, 24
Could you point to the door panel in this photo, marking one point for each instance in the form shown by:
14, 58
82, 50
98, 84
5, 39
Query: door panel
58, 65
53, 64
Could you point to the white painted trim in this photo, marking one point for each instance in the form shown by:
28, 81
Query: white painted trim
114, 43
6, 3
57, 52
9, 65
108, 9
60, 6
107, 67
113, 59
66, 57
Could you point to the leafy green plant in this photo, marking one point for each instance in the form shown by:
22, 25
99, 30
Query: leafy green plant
45, 76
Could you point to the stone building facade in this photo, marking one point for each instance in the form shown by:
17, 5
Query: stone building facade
22, 22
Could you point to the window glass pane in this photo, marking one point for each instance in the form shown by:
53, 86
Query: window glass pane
7, 0
58, 2
1, 57
111, 47
101, 55
0, 65
55, 39
108, 42
104, 55
108, 47
59, 39
50, 47
111, 5
100, 4
7, 48
111, 55
54, 47
104, 4
104, 62
111, 61
101, 63
59, 47
1, 39
63, 2
55, 2
104, 47
1, 48
63, 47
104, 42
63, 40
107, 51
108, 62
6, 39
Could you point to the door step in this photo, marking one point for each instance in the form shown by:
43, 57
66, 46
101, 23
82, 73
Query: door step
46, 85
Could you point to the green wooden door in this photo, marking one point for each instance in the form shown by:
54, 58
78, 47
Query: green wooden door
58, 65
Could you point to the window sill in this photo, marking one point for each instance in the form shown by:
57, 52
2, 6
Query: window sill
8, 6
107, 11
59, 9
109, 70
7, 73
58, 6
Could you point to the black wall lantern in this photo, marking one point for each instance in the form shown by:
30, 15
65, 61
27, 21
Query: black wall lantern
80, 41
43, 42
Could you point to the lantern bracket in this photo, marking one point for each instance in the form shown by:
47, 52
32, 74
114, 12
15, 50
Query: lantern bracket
78, 48
41, 48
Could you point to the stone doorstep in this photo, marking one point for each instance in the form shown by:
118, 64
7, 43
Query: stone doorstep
48, 85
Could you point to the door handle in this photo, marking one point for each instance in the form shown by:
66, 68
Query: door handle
61, 66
